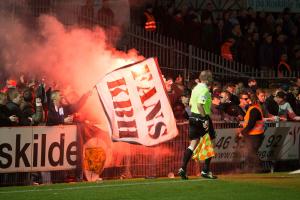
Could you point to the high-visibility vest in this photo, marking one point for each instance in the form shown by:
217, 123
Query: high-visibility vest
259, 125
150, 24
226, 52
280, 74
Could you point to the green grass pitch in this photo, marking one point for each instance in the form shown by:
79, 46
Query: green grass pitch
274, 186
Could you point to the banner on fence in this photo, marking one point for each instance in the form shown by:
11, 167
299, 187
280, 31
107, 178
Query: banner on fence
136, 104
281, 143
25, 149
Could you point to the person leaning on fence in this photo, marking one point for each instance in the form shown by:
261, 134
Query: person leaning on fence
13, 105
253, 133
32, 107
61, 112
199, 122
5, 118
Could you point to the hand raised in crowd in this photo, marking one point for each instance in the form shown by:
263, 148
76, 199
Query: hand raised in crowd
38, 101
22, 80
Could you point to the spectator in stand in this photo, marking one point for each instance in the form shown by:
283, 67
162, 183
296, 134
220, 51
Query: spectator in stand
10, 83
192, 27
216, 113
236, 32
217, 88
226, 49
239, 87
168, 22
220, 34
260, 19
266, 53
262, 97
231, 89
287, 24
178, 26
291, 96
252, 86
278, 30
31, 109
251, 15
271, 105
60, 111
13, 105
86, 14
268, 25
227, 25
297, 110
243, 106
149, 20
5, 118
293, 40
283, 69
185, 98
208, 35
297, 83
280, 46
208, 12
247, 55
178, 87
105, 15
229, 108
242, 18
295, 61
171, 94
285, 110
179, 111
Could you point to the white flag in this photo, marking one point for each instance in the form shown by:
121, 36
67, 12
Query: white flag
136, 104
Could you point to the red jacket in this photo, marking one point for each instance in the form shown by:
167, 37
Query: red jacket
226, 52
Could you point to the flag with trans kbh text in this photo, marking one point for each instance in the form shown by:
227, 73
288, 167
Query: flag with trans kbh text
136, 104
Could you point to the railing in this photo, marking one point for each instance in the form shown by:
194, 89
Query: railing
175, 57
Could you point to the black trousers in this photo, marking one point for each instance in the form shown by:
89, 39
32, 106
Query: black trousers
196, 129
253, 142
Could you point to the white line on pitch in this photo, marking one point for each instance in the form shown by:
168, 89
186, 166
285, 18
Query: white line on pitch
102, 186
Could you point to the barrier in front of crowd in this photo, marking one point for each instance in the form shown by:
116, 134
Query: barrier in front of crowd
64, 153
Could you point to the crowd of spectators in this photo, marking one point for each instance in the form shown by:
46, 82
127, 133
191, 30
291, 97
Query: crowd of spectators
266, 41
230, 101
28, 102
31, 102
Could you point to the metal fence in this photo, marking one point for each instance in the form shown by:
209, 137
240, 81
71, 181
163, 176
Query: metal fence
175, 57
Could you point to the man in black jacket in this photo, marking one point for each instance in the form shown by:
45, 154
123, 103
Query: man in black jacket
5, 118
62, 113
32, 107
13, 105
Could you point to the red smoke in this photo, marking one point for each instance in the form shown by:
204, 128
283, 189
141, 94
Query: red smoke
73, 57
